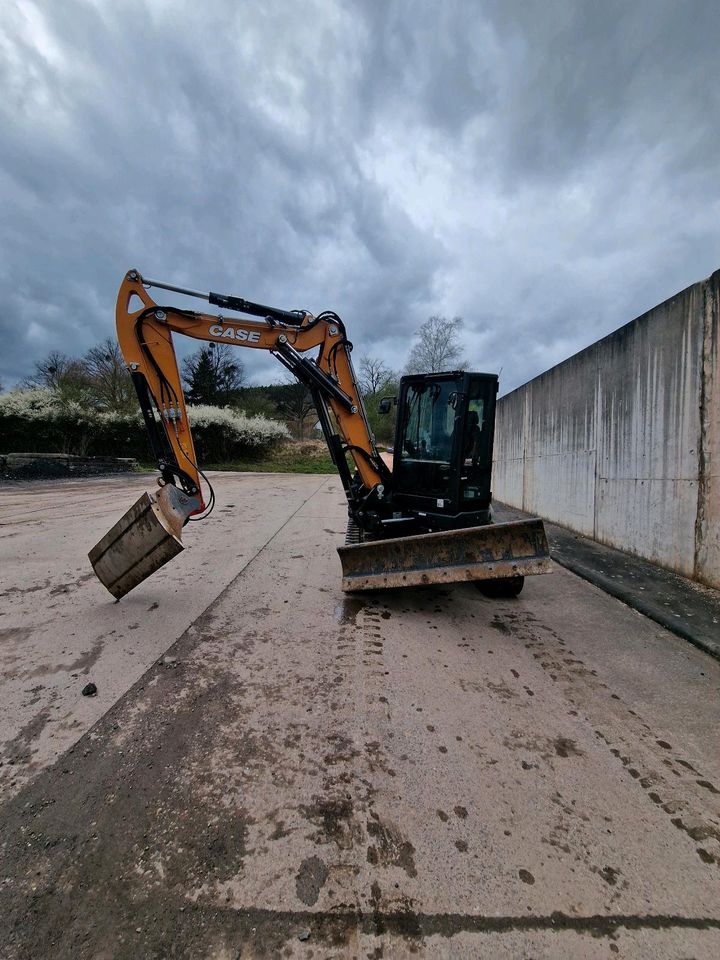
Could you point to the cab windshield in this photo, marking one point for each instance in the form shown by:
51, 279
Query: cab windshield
430, 420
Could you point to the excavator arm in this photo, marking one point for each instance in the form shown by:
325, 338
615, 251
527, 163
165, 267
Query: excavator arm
145, 335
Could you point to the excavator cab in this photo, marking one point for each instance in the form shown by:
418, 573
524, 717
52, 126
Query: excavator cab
437, 526
443, 447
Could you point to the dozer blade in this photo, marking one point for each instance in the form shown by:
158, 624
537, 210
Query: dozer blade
475, 553
143, 540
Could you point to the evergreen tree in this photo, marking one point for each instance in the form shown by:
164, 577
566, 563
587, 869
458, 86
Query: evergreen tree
213, 375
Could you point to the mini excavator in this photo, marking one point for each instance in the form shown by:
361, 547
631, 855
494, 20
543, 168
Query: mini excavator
423, 517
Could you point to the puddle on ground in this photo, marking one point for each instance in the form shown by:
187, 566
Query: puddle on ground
347, 611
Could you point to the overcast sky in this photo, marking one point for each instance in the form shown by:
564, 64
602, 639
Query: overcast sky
547, 170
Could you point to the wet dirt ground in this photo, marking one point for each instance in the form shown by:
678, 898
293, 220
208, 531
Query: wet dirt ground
271, 768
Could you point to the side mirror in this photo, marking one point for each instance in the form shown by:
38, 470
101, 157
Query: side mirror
385, 404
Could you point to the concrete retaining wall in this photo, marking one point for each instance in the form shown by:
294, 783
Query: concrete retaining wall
622, 441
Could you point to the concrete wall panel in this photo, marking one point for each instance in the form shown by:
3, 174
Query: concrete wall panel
561, 487
508, 476
510, 427
649, 381
654, 519
509, 468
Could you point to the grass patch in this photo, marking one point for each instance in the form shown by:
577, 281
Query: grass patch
301, 456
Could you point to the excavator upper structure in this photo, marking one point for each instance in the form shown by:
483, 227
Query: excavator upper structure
422, 516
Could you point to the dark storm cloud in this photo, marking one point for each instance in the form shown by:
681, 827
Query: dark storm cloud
546, 170
608, 78
158, 141
575, 161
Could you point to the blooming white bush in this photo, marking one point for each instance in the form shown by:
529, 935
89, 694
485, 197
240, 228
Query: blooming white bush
257, 431
26, 403
41, 404
45, 421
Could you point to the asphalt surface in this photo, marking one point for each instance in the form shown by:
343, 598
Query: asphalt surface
689, 609
273, 769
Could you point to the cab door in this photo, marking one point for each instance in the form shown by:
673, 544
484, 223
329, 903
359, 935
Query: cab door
475, 455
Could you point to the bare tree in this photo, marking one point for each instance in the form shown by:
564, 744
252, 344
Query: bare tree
213, 374
373, 375
50, 371
295, 402
437, 347
112, 387
57, 371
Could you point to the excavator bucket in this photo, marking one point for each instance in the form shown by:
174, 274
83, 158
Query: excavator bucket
143, 540
495, 551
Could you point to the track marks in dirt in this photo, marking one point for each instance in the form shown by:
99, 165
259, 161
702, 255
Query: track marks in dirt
674, 797
671, 782
646, 757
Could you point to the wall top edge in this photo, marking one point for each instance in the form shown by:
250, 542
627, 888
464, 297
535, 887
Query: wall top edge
712, 280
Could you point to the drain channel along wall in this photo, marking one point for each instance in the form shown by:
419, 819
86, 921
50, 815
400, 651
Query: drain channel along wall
622, 441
